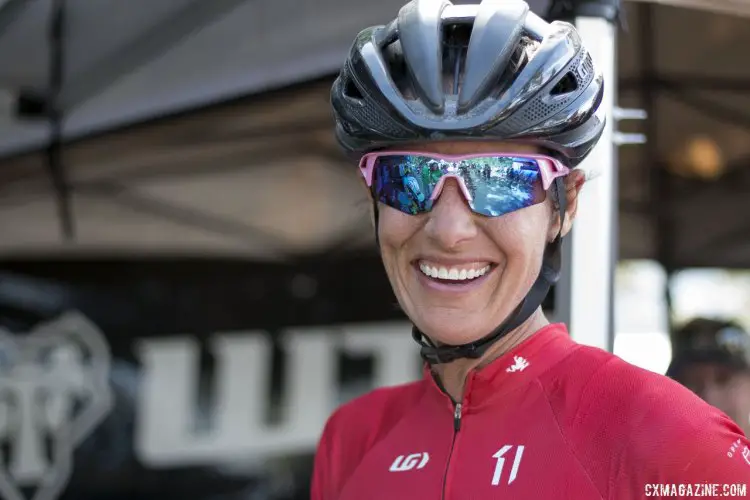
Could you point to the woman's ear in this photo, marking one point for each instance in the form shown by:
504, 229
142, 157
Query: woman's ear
573, 184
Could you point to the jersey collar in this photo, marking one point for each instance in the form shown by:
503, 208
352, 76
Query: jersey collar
517, 367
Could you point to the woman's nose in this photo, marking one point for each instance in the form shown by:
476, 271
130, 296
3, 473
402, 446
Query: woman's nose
451, 221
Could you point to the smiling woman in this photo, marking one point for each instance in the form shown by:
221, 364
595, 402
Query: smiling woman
467, 123
454, 273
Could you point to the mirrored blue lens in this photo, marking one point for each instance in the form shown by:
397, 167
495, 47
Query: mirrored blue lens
497, 184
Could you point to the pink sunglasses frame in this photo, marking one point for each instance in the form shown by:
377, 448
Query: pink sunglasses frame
549, 168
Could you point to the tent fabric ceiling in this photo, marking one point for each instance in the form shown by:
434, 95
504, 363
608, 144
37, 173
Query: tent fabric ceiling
261, 176
135, 60
700, 115
235, 180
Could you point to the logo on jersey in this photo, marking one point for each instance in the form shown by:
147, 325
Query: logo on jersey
519, 364
500, 464
734, 448
54, 390
413, 461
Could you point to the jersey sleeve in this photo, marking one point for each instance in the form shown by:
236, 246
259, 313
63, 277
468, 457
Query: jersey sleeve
351, 431
325, 478
717, 453
702, 451
345, 439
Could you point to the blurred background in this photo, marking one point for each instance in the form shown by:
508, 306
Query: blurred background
187, 265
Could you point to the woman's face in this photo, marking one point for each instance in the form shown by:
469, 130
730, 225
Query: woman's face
507, 249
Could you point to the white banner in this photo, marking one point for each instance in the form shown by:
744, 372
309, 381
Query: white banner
68, 360
168, 427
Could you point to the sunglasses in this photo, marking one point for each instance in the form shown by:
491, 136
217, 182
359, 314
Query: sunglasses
493, 184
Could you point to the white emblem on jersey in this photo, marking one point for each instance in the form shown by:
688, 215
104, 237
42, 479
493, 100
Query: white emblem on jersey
519, 364
413, 461
734, 447
499, 456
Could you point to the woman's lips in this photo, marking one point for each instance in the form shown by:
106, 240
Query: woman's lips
456, 278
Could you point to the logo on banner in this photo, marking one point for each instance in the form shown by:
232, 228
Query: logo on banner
184, 429
54, 391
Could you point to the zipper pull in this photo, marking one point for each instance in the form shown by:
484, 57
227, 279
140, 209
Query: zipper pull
457, 417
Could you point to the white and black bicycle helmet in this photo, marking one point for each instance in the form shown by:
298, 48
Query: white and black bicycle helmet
493, 70
488, 71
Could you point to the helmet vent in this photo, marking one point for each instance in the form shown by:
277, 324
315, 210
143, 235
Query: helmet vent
517, 63
566, 85
351, 91
394, 60
455, 44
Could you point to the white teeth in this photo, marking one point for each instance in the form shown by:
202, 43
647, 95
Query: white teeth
453, 273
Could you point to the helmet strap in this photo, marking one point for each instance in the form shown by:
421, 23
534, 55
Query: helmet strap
376, 220
548, 276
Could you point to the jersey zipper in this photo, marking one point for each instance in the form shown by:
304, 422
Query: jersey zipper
457, 414
457, 408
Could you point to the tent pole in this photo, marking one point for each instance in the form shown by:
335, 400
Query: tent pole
659, 189
584, 295
55, 115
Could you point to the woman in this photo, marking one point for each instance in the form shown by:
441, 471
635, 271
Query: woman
467, 122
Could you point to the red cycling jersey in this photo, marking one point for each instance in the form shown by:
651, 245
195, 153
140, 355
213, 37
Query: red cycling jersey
549, 419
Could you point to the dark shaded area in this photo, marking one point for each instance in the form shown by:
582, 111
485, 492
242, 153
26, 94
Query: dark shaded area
132, 299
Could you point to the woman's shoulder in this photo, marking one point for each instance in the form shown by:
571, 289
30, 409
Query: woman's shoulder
649, 426
614, 386
657, 430
353, 429
362, 421
636, 408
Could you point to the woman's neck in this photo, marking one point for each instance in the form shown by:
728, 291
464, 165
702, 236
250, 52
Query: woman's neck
453, 375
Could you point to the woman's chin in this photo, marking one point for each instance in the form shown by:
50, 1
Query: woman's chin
452, 331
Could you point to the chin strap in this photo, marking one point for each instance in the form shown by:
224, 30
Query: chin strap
548, 276
376, 220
